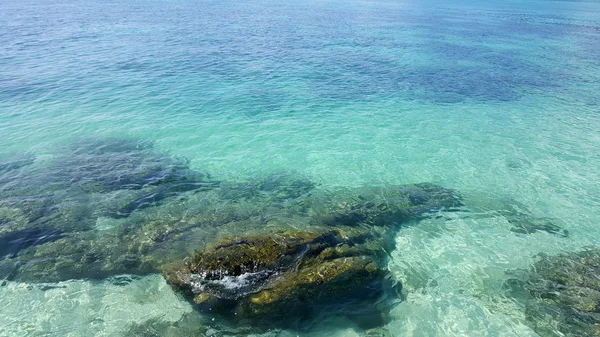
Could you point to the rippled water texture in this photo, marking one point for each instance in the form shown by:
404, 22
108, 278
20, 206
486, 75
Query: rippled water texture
452, 146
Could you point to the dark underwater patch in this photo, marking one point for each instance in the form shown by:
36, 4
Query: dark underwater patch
456, 74
277, 186
16, 163
526, 224
106, 166
459, 60
14, 241
561, 294
90, 178
24, 90
521, 218
258, 101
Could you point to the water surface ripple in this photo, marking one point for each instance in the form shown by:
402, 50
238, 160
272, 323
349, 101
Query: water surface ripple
134, 132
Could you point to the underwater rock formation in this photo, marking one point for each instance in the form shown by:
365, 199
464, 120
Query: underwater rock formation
561, 294
248, 250
331, 249
145, 241
272, 275
93, 178
22, 225
119, 164
278, 187
377, 206
129, 171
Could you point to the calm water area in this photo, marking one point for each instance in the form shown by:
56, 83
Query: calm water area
497, 100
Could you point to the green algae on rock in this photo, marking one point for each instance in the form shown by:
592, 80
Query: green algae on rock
561, 294
275, 274
335, 253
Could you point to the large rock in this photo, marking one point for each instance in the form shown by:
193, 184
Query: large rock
328, 251
272, 275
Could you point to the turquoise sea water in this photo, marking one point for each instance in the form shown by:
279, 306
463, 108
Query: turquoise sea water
499, 101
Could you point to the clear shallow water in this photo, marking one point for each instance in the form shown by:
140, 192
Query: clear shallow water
498, 101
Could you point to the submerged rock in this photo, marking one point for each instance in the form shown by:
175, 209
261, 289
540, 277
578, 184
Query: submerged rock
330, 251
111, 178
278, 187
13, 242
273, 275
145, 241
561, 294
122, 164
377, 206
16, 233
264, 248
